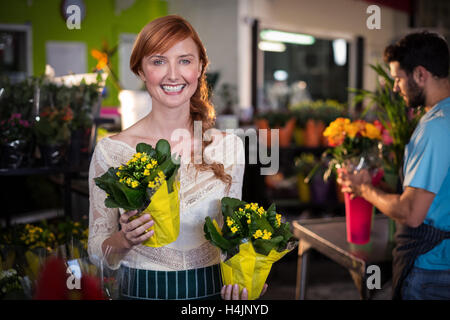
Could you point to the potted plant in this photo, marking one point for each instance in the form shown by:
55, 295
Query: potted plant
53, 134
16, 143
355, 145
283, 121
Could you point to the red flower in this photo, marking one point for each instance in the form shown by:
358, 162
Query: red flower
52, 284
52, 281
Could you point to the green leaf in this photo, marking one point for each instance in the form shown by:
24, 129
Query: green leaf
146, 148
229, 205
264, 247
215, 237
162, 150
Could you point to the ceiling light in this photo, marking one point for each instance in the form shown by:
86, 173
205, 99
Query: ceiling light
288, 37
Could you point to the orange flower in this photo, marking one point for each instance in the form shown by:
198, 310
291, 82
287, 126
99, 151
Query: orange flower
102, 58
371, 132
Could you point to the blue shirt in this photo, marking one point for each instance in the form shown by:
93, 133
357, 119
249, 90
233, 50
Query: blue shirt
427, 166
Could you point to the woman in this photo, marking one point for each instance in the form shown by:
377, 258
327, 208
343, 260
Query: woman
171, 60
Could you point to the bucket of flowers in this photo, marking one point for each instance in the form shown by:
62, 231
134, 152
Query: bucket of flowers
148, 183
53, 134
355, 145
251, 240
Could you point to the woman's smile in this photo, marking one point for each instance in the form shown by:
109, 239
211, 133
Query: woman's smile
171, 89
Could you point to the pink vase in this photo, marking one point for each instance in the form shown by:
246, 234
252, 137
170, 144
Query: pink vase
358, 217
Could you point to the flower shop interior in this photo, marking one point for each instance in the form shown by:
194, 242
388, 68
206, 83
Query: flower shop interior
291, 65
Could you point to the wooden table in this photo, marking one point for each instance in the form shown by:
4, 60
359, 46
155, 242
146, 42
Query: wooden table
328, 236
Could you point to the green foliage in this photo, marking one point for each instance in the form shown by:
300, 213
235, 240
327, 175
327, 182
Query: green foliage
319, 110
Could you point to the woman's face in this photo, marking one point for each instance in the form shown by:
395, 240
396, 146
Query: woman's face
171, 77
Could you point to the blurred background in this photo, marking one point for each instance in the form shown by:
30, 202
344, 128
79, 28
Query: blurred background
285, 64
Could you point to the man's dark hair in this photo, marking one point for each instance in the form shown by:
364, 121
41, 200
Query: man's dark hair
425, 49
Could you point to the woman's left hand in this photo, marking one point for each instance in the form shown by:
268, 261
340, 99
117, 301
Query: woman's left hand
231, 292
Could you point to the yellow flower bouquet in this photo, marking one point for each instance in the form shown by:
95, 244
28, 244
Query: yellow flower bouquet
251, 240
147, 183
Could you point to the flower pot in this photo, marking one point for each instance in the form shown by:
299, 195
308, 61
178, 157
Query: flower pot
299, 136
320, 189
285, 133
304, 192
53, 155
14, 154
358, 218
313, 133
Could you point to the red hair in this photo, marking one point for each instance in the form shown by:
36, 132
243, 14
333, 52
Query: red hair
160, 35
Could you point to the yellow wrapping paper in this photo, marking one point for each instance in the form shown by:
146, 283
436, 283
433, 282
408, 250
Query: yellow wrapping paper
249, 269
164, 209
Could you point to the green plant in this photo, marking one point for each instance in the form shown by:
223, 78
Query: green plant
248, 222
320, 110
391, 110
53, 127
132, 185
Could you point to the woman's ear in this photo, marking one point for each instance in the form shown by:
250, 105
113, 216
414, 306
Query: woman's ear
141, 75
200, 69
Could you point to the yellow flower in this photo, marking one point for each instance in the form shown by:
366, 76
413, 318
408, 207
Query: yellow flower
249, 221
278, 218
234, 229
266, 235
118, 173
229, 222
144, 158
138, 155
134, 184
261, 211
146, 172
258, 234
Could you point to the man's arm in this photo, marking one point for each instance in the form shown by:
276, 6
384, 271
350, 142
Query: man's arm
408, 208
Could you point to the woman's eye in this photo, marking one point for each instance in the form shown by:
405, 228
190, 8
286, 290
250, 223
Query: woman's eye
185, 61
157, 62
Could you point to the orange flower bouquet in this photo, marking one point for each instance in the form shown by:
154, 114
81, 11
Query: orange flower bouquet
355, 144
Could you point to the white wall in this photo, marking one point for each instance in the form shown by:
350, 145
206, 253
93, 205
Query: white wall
225, 25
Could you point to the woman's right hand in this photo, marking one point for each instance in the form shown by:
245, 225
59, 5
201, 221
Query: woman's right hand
134, 231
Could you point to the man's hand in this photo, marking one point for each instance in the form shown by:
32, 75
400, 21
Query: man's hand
352, 182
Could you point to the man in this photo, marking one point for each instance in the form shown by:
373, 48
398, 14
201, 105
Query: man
419, 64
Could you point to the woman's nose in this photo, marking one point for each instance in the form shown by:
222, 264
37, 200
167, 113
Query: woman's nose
173, 72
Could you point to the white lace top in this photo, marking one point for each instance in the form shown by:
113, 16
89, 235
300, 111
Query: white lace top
200, 194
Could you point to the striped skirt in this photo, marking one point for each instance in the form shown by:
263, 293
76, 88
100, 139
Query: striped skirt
203, 283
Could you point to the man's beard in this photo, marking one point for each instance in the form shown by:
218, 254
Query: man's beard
415, 96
